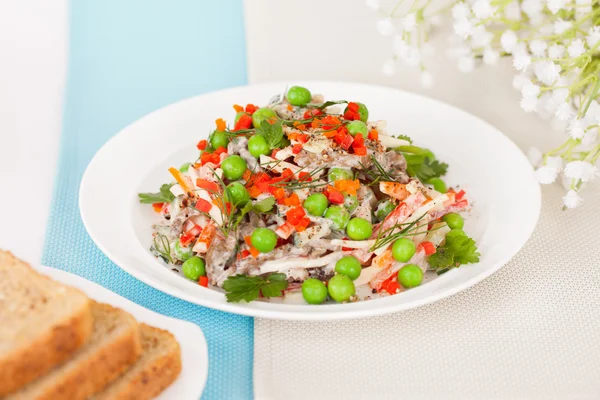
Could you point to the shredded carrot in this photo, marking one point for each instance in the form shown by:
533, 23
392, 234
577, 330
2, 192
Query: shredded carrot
254, 252
329, 134
289, 107
180, 179
158, 207
248, 240
247, 174
238, 108
254, 191
279, 193
221, 124
373, 134
301, 127
347, 185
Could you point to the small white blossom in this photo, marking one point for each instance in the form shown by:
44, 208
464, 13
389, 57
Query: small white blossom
555, 162
546, 175
538, 47
483, 9
521, 60
590, 137
512, 11
480, 37
389, 68
463, 28
466, 64
576, 128
490, 56
529, 104
564, 112
556, 51
530, 90
399, 45
385, 26
546, 106
560, 95
409, 22
560, 26
572, 199
581, 170
593, 36
547, 72
412, 56
519, 81
426, 79
373, 4
576, 48
533, 8
534, 155
509, 40
555, 5
460, 11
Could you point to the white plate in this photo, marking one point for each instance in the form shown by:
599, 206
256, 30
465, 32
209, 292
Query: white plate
194, 353
495, 173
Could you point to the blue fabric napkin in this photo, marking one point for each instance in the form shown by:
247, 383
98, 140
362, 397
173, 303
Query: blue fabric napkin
128, 58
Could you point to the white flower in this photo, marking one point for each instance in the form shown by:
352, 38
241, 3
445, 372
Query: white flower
412, 56
576, 48
490, 56
593, 36
426, 79
561, 26
555, 5
463, 28
529, 104
576, 128
550, 105
385, 26
460, 11
399, 45
466, 64
560, 95
519, 81
480, 37
555, 162
389, 68
435, 20
581, 170
512, 11
409, 22
530, 90
564, 112
547, 72
572, 199
373, 4
545, 175
521, 60
556, 51
534, 155
590, 137
538, 47
483, 9
509, 40
532, 8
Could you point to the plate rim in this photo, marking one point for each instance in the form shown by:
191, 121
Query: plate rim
244, 309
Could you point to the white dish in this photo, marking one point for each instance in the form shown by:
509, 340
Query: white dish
495, 173
194, 353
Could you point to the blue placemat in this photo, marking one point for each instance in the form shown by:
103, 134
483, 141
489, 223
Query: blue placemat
128, 58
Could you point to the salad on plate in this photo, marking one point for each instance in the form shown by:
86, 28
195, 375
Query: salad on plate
307, 198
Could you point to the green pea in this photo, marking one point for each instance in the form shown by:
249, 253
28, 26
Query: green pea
193, 268
185, 167
456, 232
262, 114
359, 229
356, 127
314, 291
403, 249
339, 216
383, 209
237, 194
341, 288
316, 204
234, 167
182, 253
219, 139
298, 96
238, 115
454, 220
362, 111
350, 202
438, 184
258, 146
348, 266
410, 276
336, 174
263, 239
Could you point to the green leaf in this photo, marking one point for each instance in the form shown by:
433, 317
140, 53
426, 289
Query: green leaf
456, 251
425, 169
248, 288
273, 133
264, 205
404, 137
163, 196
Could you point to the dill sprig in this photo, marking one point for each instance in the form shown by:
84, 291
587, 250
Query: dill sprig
379, 173
385, 237
163, 247
304, 183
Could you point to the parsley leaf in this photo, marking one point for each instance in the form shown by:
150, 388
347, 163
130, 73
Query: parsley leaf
248, 288
264, 205
425, 169
404, 137
163, 196
456, 251
273, 133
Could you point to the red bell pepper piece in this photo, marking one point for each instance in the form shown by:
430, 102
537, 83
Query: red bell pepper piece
203, 205
245, 122
359, 141
202, 144
459, 196
203, 281
186, 239
294, 215
207, 185
391, 285
250, 108
428, 247
334, 196
297, 148
302, 225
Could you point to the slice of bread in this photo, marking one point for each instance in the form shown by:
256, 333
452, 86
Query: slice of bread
42, 323
157, 368
112, 348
